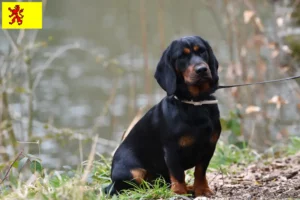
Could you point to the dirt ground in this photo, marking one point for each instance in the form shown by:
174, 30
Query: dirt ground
270, 179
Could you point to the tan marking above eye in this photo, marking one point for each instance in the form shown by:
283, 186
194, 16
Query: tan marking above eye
186, 50
196, 48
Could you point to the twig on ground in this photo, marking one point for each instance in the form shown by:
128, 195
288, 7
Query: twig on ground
212, 180
10, 166
222, 177
292, 174
90, 161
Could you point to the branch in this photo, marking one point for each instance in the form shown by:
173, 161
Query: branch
90, 160
7, 173
11, 41
49, 61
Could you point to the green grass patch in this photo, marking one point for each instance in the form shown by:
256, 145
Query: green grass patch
34, 182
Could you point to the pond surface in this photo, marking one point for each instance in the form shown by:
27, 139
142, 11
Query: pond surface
106, 83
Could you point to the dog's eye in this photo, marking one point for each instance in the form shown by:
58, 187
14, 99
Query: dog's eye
186, 50
196, 48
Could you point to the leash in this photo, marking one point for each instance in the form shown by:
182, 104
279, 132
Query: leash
199, 103
263, 82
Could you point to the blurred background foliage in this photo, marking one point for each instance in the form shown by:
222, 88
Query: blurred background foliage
89, 72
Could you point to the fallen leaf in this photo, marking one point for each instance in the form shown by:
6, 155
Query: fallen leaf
279, 21
279, 101
252, 109
259, 24
275, 53
286, 49
248, 14
272, 45
257, 183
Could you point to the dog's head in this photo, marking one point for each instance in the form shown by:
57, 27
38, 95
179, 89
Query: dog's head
188, 68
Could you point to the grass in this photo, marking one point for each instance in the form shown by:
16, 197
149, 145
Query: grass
158, 190
67, 183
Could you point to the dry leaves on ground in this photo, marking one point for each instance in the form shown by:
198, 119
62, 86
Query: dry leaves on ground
273, 179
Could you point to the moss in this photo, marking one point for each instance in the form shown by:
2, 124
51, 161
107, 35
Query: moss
293, 41
296, 13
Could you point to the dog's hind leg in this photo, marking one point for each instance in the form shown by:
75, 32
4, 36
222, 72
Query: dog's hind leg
125, 179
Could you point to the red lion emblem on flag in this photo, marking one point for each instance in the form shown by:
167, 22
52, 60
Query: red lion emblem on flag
16, 14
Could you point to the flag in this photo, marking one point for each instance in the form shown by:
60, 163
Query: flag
22, 15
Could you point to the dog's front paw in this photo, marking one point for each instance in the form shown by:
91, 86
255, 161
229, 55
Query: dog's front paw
207, 192
190, 188
179, 188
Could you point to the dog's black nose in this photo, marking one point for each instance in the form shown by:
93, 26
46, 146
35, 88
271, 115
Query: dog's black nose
200, 69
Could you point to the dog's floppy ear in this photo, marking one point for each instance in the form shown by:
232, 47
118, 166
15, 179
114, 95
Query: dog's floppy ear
165, 74
212, 61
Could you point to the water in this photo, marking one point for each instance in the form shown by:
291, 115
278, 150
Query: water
77, 87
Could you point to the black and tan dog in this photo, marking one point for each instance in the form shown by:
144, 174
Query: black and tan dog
182, 130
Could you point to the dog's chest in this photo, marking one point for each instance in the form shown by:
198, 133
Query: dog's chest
195, 116
192, 147
196, 139
186, 141
196, 131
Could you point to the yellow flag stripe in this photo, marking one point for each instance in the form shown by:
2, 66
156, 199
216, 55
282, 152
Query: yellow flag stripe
22, 15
